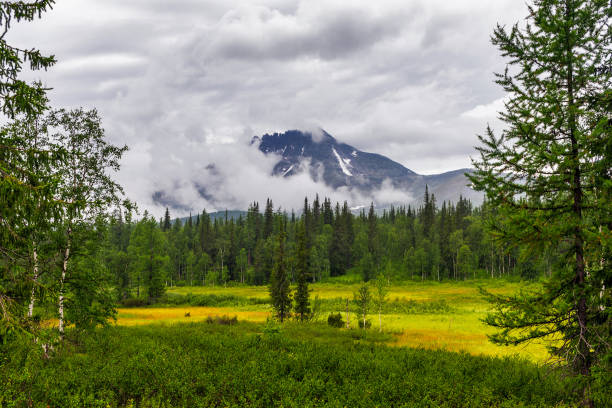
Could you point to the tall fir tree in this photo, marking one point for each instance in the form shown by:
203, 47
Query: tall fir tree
148, 247
302, 293
280, 292
268, 226
548, 175
166, 222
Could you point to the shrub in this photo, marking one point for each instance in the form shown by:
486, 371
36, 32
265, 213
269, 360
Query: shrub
368, 323
223, 320
207, 365
133, 302
335, 320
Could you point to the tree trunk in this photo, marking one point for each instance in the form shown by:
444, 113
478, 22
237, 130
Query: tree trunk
63, 279
347, 315
583, 345
34, 281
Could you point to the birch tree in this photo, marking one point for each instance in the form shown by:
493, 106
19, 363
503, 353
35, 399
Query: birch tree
381, 296
87, 188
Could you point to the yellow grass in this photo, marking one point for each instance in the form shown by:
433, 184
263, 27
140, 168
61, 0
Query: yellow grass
453, 332
459, 330
140, 316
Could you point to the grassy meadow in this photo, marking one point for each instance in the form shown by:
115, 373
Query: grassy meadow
432, 352
426, 315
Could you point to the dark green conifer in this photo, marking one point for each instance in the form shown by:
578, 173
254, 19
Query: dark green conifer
280, 292
548, 175
167, 222
302, 293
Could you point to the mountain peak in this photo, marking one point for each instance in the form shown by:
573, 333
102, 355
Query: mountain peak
340, 165
270, 142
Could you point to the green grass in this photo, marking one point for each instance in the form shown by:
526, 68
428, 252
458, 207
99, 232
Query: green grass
256, 365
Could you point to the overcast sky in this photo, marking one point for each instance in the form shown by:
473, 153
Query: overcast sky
187, 83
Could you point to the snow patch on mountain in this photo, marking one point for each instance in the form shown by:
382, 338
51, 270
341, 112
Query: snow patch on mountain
288, 170
342, 164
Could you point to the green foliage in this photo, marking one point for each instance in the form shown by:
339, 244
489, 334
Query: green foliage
363, 301
280, 293
148, 250
335, 320
302, 293
365, 324
16, 96
90, 300
222, 320
218, 365
220, 300
28, 180
547, 174
381, 296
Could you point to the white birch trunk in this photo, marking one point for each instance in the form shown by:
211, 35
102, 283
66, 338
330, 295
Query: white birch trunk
348, 324
61, 293
34, 282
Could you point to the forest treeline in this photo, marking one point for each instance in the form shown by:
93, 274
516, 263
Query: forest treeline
427, 242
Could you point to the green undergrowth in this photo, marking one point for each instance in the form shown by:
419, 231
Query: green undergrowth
247, 364
208, 300
395, 306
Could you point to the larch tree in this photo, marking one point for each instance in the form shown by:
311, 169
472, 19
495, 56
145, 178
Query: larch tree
17, 96
548, 174
24, 193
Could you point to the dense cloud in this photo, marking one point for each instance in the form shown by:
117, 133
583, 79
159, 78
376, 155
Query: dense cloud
187, 83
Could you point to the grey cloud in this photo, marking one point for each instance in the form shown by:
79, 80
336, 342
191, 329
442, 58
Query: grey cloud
391, 77
261, 33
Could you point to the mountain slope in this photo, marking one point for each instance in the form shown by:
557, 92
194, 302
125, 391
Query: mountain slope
341, 165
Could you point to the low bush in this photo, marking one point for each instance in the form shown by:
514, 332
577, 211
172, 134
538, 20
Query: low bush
211, 300
335, 320
368, 323
132, 302
206, 365
223, 320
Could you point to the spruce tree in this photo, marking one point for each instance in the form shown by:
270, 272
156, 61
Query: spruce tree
373, 246
302, 294
549, 175
148, 248
166, 223
280, 292
268, 226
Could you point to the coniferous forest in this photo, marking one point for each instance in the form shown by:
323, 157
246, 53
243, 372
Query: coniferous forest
423, 243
